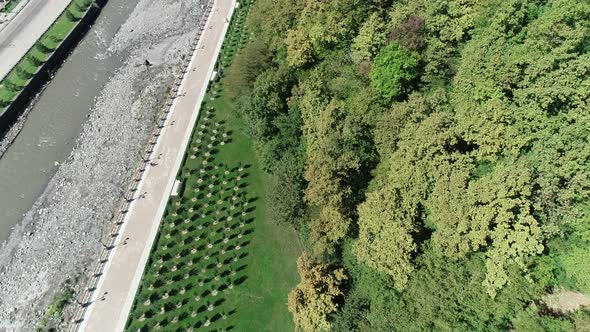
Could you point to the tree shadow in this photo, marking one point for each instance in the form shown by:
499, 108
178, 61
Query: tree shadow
240, 280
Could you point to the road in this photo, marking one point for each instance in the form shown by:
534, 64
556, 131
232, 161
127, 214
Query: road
25, 29
122, 274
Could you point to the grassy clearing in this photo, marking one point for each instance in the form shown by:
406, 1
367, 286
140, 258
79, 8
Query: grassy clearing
218, 263
20, 75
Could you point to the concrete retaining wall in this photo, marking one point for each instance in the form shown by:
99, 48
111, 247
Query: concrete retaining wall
43, 74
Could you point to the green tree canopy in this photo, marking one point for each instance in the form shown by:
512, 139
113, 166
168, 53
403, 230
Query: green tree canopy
393, 69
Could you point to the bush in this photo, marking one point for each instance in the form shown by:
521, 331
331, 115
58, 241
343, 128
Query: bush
574, 263
22, 73
71, 16
34, 60
286, 191
10, 86
42, 48
393, 69
252, 60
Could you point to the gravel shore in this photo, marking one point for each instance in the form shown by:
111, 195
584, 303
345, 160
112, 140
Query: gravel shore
58, 238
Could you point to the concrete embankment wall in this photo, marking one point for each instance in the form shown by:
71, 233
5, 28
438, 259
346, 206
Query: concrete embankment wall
43, 73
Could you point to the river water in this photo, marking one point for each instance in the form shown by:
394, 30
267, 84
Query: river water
56, 119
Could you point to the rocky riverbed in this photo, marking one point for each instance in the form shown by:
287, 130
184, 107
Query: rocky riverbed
58, 239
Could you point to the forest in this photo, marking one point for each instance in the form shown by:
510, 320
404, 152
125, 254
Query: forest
433, 156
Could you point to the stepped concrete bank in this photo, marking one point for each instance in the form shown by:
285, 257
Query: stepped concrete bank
44, 72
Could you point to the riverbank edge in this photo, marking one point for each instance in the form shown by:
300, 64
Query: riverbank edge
43, 75
22, 311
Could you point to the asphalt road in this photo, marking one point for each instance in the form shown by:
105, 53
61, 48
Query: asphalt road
25, 29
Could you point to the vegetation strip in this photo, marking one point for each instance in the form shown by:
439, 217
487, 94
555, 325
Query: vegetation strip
202, 255
34, 59
54, 311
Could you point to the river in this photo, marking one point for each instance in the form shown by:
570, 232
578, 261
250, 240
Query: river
56, 119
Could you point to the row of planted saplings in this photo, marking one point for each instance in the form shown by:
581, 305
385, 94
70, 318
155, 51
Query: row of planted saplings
206, 265
187, 216
205, 319
189, 268
182, 226
198, 241
211, 195
194, 283
204, 143
217, 206
225, 234
210, 201
192, 233
161, 293
237, 37
215, 91
188, 277
179, 211
177, 266
190, 282
211, 185
202, 232
194, 296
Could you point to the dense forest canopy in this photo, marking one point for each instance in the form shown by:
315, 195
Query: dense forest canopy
434, 156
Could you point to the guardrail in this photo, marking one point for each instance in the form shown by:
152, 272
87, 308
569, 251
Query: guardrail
85, 298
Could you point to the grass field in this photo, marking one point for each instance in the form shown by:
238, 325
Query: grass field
19, 77
218, 263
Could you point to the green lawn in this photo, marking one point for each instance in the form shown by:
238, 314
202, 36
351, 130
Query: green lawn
261, 302
219, 263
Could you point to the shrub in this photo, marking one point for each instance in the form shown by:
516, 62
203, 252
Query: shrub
248, 64
393, 69
34, 60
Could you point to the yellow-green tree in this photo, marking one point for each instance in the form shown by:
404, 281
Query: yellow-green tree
385, 235
316, 296
321, 24
371, 37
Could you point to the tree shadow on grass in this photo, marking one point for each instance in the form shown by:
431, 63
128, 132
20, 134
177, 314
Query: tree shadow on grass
240, 280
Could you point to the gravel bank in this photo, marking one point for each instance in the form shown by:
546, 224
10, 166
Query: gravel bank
57, 239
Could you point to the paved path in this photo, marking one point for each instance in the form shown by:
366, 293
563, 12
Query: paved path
24, 30
123, 272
